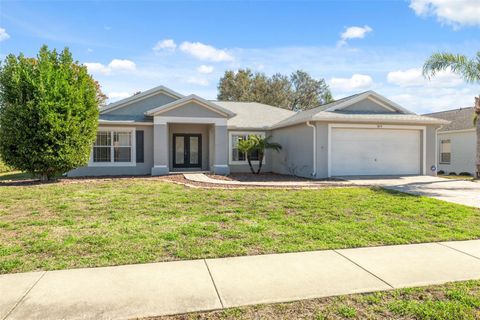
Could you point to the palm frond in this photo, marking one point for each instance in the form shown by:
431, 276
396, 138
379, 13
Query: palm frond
468, 69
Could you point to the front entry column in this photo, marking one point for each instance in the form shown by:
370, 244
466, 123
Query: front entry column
220, 163
160, 149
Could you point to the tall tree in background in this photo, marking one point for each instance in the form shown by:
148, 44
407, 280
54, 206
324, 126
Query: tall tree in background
469, 70
48, 112
299, 91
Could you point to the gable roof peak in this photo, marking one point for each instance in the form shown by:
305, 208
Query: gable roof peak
141, 95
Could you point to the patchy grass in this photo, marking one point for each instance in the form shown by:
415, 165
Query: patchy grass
452, 301
466, 178
85, 223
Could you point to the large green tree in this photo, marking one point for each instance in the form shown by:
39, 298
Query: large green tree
469, 70
48, 112
299, 91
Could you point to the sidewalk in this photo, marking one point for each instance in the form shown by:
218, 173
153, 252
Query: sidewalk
131, 291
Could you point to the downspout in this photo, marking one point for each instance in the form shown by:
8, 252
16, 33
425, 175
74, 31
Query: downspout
314, 173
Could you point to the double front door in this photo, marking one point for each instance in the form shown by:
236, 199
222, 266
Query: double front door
187, 150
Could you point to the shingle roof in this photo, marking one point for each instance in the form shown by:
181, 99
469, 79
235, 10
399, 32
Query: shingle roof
253, 115
320, 114
461, 119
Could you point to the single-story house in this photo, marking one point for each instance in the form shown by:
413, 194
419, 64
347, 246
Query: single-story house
457, 141
160, 131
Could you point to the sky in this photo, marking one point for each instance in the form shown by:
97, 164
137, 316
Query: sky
131, 46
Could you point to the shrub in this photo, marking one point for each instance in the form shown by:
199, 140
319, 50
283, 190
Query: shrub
452, 174
441, 172
48, 113
468, 174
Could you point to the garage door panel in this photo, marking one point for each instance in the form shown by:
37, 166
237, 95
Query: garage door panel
375, 152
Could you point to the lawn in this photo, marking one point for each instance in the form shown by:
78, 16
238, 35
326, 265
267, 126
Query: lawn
452, 301
83, 223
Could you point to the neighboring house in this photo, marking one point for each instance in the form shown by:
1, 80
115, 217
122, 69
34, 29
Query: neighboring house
456, 141
161, 131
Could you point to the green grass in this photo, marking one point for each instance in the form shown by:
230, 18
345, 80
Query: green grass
14, 176
452, 301
119, 221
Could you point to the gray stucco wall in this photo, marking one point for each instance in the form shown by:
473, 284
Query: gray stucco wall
431, 137
462, 153
202, 129
322, 150
138, 108
296, 156
138, 169
367, 106
191, 110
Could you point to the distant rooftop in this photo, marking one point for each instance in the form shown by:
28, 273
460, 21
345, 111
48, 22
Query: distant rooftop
460, 119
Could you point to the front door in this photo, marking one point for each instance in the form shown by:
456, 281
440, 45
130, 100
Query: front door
187, 150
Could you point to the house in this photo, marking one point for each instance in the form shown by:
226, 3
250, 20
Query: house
161, 131
456, 141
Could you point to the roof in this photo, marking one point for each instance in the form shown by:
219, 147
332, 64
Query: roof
254, 115
191, 98
333, 112
141, 95
460, 119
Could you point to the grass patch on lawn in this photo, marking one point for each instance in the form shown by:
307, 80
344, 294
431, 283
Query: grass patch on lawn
452, 301
459, 177
120, 221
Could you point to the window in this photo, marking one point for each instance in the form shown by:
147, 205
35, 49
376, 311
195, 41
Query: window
445, 151
237, 156
102, 146
113, 146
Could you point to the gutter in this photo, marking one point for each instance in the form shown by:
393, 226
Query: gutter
314, 173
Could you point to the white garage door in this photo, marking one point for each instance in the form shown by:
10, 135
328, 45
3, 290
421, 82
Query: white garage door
375, 152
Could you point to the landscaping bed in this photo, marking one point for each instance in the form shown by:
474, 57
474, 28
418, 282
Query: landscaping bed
112, 221
460, 300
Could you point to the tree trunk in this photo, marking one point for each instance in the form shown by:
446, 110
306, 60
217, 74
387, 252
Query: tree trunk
250, 163
260, 162
477, 111
44, 177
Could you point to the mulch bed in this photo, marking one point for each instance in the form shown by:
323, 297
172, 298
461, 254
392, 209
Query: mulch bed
180, 179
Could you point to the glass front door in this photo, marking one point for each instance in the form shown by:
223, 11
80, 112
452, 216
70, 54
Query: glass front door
187, 150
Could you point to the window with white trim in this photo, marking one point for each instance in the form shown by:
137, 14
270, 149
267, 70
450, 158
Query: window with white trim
113, 146
236, 156
445, 151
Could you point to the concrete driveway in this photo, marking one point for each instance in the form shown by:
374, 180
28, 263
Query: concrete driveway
451, 190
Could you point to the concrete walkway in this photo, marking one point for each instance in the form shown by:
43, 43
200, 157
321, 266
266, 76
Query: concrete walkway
126, 292
200, 177
451, 190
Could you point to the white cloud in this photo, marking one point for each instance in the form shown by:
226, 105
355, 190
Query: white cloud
353, 33
426, 100
122, 65
205, 52
452, 12
3, 34
205, 69
354, 83
118, 95
413, 77
198, 81
166, 44
95, 67
114, 66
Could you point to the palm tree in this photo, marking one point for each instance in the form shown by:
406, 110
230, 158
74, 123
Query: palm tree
469, 70
256, 144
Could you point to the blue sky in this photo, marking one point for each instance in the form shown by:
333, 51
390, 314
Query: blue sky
354, 45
